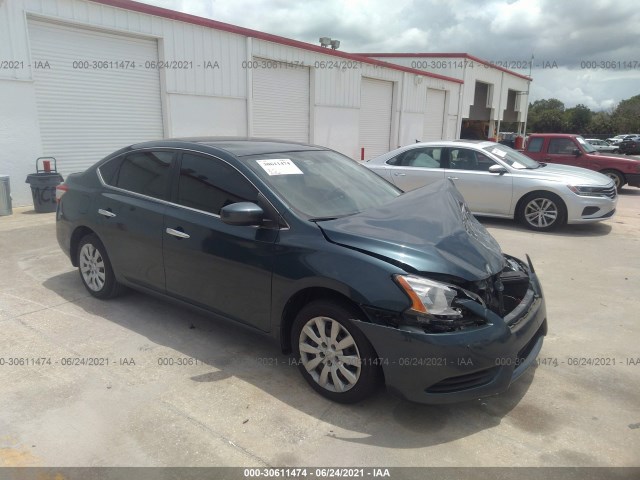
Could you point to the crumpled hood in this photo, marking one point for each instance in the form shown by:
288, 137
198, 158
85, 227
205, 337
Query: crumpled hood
430, 229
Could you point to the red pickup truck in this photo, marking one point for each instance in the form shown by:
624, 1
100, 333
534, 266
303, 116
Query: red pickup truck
574, 150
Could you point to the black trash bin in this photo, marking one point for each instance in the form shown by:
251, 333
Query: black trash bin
43, 185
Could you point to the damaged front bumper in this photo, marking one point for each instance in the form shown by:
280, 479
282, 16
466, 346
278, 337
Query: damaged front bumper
466, 364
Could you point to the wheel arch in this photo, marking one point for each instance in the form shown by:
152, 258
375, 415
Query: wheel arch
78, 234
526, 195
302, 298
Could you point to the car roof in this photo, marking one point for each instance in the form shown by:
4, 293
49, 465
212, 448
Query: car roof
455, 143
238, 146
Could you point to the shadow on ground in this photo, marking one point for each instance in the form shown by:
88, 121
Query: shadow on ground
237, 351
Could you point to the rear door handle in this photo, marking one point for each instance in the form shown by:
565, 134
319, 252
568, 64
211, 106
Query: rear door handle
452, 178
106, 213
177, 233
400, 174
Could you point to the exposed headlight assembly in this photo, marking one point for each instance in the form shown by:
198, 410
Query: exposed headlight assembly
434, 305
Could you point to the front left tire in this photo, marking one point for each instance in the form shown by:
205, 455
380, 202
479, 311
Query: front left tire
333, 355
95, 269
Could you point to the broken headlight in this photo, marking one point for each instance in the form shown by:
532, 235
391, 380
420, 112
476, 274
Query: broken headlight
435, 306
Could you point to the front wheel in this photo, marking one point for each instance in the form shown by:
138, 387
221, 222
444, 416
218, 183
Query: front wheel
334, 357
617, 177
95, 269
542, 211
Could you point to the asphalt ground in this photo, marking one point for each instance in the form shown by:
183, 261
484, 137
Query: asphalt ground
176, 388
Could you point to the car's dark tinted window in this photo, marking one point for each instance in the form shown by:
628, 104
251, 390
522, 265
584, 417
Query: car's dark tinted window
535, 144
109, 170
143, 172
209, 184
426, 157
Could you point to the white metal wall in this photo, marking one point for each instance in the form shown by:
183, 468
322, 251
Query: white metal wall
376, 103
87, 110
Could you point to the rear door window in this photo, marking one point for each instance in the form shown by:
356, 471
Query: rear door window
146, 173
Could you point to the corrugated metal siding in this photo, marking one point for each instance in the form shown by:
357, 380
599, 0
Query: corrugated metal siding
87, 113
435, 115
281, 101
375, 117
183, 42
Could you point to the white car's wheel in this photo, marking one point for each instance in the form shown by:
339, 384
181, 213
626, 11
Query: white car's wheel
542, 211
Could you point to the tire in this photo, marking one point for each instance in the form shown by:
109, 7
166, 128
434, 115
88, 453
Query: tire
617, 177
95, 269
318, 329
542, 211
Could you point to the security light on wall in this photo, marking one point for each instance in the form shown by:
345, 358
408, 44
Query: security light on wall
325, 42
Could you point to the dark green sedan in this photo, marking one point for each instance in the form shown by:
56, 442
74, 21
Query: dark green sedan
363, 283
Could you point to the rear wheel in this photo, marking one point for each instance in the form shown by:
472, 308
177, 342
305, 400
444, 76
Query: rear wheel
617, 177
542, 211
334, 357
95, 269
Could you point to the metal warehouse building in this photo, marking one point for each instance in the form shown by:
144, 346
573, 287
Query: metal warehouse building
491, 95
80, 79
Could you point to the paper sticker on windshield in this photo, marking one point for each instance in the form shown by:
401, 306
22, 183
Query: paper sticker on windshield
498, 152
279, 166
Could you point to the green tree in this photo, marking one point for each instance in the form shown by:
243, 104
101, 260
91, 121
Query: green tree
546, 116
577, 119
626, 116
601, 123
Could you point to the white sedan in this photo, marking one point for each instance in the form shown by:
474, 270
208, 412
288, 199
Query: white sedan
602, 146
497, 181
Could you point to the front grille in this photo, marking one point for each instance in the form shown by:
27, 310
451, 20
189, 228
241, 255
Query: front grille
610, 192
464, 382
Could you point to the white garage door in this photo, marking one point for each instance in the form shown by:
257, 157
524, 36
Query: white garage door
376, 97
281, 101
434, 116
87, 110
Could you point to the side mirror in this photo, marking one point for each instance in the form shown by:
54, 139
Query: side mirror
498, 169
577, 152
242, 214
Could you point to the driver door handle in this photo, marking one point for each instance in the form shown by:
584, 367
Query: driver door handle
397, 174
177, 233
452, 178
106, 213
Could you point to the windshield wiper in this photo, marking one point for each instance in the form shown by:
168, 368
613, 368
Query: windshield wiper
335, 217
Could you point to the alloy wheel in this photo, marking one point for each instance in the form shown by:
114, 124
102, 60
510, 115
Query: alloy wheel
541, 212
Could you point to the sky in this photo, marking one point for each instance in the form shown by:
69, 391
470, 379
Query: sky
583, 52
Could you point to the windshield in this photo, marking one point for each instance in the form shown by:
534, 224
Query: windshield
322, 184
511, 157
586, 145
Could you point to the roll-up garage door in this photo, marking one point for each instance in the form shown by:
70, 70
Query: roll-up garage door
434, 116
91, 100
281, 101
376, 97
